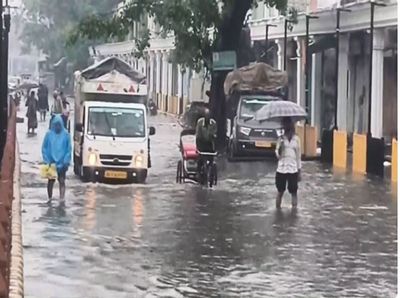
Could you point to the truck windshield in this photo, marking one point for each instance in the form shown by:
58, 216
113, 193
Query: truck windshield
249, 107
116, 122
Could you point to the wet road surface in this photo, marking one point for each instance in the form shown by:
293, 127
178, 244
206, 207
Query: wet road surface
167, 240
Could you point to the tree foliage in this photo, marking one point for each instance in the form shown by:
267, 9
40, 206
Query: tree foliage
199, 27
48, 23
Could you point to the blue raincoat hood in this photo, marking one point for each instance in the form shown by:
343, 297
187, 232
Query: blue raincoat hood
56, 148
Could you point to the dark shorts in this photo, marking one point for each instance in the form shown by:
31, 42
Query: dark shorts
287, 180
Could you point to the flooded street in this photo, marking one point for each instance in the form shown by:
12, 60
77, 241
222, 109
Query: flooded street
163, 239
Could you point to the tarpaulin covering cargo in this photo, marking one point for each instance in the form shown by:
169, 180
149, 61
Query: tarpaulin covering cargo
255, 77
109, 64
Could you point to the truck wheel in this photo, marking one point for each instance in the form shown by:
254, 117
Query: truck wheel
76, 165
179, 172
86, 175
232, 151
141, 176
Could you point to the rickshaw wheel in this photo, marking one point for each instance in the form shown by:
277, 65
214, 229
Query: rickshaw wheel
179, 172
215, 174
212, 176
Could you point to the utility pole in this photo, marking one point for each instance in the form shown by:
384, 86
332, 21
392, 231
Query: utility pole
307, 64
338, 11
266, 39
285, 43
181, 100
3, 100
286, 88
4, 32
371, 50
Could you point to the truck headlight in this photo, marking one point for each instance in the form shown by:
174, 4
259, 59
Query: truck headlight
92, 159
245, 130
280, 132
139, 161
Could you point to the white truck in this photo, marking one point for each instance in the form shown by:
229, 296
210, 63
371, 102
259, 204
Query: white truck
111, 133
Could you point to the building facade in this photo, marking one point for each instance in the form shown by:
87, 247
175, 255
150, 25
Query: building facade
353, 81
173, 86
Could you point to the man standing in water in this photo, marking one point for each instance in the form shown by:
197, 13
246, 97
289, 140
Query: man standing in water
56, 149
288, 152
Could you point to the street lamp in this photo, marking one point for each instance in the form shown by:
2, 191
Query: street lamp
181, 106
285, 42
266, 36
6, 32
327, 134
338, 11
3, 72
287, 22
307, 64
371, 49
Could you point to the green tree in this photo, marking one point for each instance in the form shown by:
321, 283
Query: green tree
200, 27
47, 24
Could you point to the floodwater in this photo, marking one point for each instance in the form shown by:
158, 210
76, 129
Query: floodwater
162, 239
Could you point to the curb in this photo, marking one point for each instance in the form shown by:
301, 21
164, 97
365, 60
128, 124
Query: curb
16, 288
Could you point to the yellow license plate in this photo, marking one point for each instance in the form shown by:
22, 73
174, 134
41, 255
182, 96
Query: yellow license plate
263, 144
116, 174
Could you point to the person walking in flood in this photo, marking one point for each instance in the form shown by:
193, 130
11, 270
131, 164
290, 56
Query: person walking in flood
56, 149
288, 152
31, 112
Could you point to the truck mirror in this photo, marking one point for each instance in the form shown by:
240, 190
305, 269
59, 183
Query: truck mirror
79, 127
152, 131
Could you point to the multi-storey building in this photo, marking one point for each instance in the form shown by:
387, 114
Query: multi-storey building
169, 82
354, 63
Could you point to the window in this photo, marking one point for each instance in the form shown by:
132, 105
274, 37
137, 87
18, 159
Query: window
116, 122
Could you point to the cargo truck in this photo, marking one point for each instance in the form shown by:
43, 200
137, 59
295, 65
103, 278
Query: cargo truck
247, 90
111, 133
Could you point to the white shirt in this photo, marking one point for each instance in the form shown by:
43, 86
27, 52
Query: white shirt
290, 157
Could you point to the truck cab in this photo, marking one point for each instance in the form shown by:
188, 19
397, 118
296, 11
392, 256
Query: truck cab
112, 142
247, 136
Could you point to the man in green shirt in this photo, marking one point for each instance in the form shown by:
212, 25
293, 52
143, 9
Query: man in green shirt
206, 133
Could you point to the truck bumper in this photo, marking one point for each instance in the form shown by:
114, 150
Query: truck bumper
255, 147
115, 174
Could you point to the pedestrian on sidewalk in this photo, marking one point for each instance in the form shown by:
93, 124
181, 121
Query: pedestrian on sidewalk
56, 149
56, 107
31, 112
65, 110
43, 95
288, 152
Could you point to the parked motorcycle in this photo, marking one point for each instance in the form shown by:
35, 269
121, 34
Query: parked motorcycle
152, 108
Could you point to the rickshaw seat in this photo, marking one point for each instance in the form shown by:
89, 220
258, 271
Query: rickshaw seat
189, 151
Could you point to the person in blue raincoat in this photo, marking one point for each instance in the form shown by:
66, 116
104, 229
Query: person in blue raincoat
56, 149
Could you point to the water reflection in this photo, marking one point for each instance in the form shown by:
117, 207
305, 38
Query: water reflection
55, 213
137, 213
90, 208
